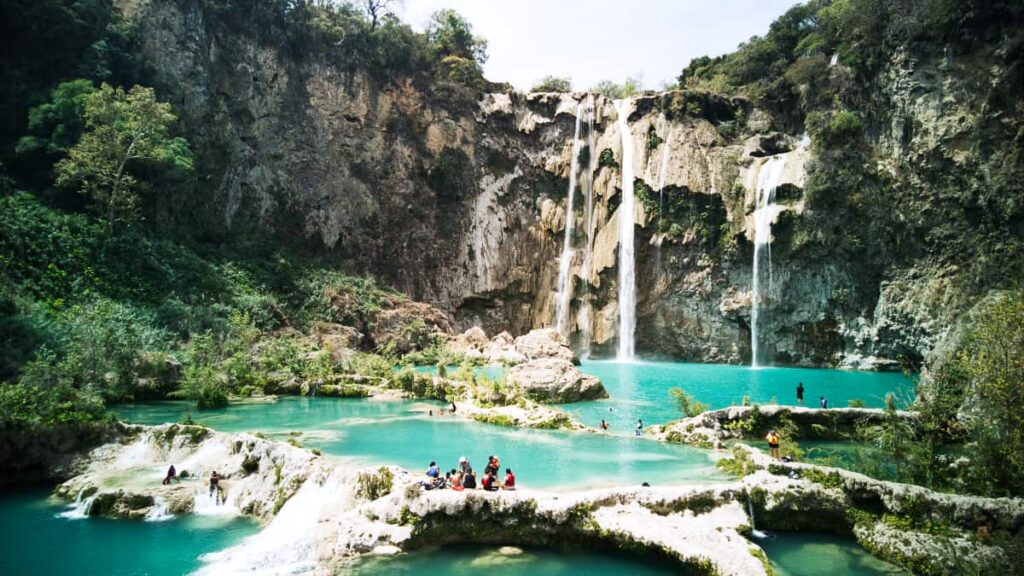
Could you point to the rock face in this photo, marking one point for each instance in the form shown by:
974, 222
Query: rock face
545, 343
319, 514
555, 380
712, 428
316, 153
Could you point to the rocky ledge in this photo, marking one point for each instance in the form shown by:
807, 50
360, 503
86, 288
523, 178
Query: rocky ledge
712, 428
321, 513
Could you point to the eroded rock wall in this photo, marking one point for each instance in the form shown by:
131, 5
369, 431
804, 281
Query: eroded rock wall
462, 203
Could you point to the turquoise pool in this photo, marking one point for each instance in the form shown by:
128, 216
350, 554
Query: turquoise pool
641, 389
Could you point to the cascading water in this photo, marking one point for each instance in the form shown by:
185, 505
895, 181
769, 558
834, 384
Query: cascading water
765, 211
588, 224
81, 507
753, 527
627, 273
160, 510
206, 504
565, 262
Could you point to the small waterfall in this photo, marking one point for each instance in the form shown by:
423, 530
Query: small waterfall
753, 528
288, 544
160, 510
81, 507
627, 214
588, 223
768, 177
206, 504
565, 262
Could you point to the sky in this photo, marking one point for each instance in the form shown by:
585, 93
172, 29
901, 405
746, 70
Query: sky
593, 40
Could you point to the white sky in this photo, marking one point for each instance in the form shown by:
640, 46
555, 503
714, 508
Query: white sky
592, 40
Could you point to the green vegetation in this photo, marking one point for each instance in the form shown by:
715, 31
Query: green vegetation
609, 89
123, 131
688, 405
553, 84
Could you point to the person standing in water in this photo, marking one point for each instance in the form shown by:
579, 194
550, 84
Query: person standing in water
800, 393
604, 426
215, 488
639, 427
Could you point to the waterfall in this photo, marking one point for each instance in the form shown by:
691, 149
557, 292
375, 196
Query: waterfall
627, 274
160, 510
206, 505
765, 211
81, 507
588, 223
288, 544
565, 262
753, 528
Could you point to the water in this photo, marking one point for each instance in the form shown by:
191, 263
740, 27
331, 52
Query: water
627, 274
813, 554
507, 561
565, 262
641, 389
37, 541
583, 319
790, 553
371, 432
768, 177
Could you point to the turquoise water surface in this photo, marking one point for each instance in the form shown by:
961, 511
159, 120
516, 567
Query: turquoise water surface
641, 389
814, 554
791, 554
37, 542
507, 561
400, 432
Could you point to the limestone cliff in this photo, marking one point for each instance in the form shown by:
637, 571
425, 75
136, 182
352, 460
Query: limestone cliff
463, 203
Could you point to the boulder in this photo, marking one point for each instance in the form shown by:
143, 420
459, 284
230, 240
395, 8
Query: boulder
470, 341
555, 380
545, 343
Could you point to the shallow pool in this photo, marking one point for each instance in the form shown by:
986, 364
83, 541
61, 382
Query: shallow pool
401, 432
506, 561
36, 541
640, 390
814, 554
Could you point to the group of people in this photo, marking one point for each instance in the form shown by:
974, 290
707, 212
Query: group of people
464, 477
216, 491
822, 401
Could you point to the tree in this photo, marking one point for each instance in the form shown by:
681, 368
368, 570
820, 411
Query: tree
553, 84
449, 34
688, 405
124, 132
992, 361
56, 125
377, 9
631, 87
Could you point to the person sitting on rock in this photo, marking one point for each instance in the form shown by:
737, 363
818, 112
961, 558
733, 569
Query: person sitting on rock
464, 464
490, 482
510, 480
172, 474
469, 480
433, 471
773, 442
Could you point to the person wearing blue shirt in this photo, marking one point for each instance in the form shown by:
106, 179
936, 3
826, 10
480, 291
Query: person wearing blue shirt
433, 471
